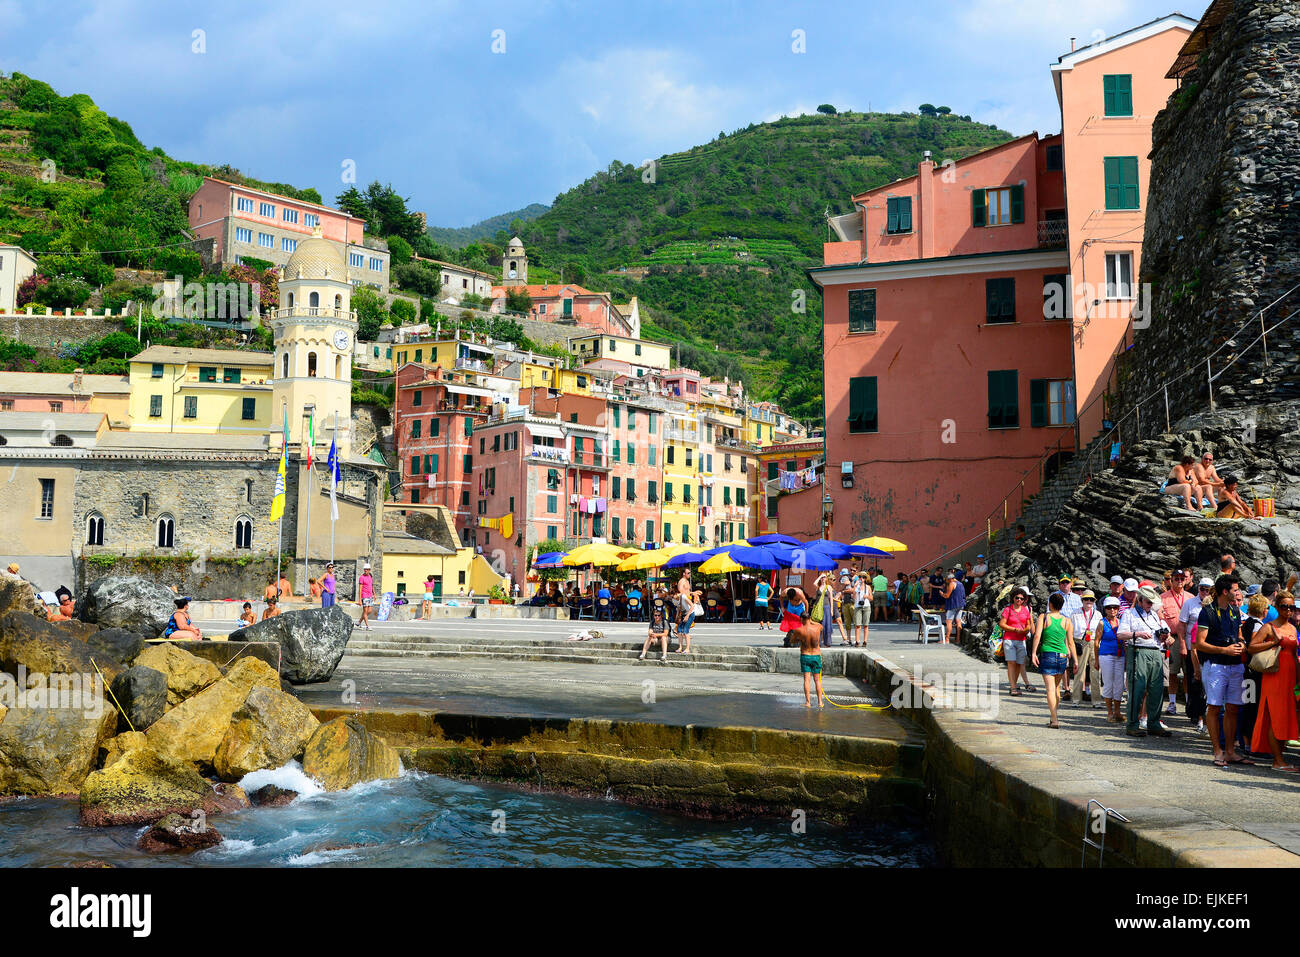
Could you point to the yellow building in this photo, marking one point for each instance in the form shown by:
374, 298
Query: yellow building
209, 391
446, 353
760, 423
639, 355
568, 381
409, 560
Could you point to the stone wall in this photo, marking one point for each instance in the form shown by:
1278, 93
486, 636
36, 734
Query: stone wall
49, 332
214, 578
1222, 235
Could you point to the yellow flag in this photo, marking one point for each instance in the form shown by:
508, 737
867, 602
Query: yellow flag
277, 503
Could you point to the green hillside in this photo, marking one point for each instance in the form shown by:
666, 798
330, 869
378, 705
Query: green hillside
458, 237
763, 191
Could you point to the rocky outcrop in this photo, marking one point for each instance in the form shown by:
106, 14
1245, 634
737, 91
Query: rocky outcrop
176, 833
194, 729
311, 642
186, 674
43, 647
141, 694
51, 750
271, 796
126, 601
118, 643
16, 594
143, 786
270, 729
115, 747
343, 752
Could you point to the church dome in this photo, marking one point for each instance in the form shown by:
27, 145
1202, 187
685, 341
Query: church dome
316, 258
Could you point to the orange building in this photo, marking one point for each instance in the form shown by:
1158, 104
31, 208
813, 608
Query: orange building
1109, 93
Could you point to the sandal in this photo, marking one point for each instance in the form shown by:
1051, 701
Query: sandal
1220, 763
1289, 768
1240, 760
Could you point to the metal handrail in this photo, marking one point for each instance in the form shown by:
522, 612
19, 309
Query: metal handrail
1104, 440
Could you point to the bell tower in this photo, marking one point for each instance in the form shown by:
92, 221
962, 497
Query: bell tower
514, 264
314, 330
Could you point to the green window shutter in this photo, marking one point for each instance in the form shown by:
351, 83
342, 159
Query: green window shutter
415, 428
891, 222
1038, 403
617, 457
616, 417
435, 463
979, 210
1004, 402
468, 464
1129, 177
1108, 93
433, 427
863, 415
1017, 204
772, 469
616, 488
631, 454
726, 495
905, 214
428, 461
415, 465
469, 426
1124, 94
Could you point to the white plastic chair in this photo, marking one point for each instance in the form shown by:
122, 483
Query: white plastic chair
929, 623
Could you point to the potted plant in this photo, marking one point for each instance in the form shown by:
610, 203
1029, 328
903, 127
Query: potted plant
496, 595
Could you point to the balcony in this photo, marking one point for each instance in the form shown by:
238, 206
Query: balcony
473, 365
681, 435
549, 454
313, 312
1052, 234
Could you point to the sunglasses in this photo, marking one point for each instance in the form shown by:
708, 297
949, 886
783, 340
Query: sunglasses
1281, 608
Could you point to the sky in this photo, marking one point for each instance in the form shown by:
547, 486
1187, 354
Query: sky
474, 109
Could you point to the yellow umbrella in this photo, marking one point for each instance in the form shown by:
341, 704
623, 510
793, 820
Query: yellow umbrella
884, 544
597, 553
653, 558
720, 564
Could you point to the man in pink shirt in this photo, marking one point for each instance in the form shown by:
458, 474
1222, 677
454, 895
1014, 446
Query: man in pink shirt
1171, 608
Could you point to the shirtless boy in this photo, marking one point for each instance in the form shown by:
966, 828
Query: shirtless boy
809, 636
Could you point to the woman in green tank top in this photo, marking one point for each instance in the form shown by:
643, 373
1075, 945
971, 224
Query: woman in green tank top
1053, 651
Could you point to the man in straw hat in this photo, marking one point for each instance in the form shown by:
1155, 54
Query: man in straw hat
1147, 636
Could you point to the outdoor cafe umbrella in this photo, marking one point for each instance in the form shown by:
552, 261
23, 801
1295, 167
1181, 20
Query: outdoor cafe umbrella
802, 559
721, 564
887, 544
775, 538
747, 556
685, 558
651, 558
597, 553
839, 550
549, 560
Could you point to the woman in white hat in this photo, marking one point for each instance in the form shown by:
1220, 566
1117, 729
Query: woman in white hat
366, 592
1110, 654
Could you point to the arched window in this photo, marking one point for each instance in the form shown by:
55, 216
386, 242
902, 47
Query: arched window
285, 364
166, 531
94, 529
248, 491
290, 300
311, 365
338, 303
144, 504
314, 300
62, 441
338, 367
243, 533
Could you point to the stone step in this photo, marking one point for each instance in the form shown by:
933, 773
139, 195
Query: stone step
674, 661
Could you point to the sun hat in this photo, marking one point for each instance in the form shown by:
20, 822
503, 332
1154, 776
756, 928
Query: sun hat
1079, 582
1088, 595
1110, 601
365, 566
1130, 584
1252, 591
1205, 583
1149, 594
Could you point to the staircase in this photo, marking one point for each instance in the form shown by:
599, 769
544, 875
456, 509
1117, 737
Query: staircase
1045, 507
711, 657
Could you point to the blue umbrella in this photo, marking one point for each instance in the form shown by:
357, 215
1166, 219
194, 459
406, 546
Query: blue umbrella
805, 559
753, 557
550, 558
774, 538
685, 558
842, 550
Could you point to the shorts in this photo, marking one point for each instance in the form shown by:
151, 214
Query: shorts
881, 601
1175, 659
810, 664
1222, 683
1052, 663
684, 626
1015, 651
847, 614
428, 596
953, 614
368, 602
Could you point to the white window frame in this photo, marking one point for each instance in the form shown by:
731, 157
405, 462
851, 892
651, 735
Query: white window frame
243, 235
1060, 402
267, 210
244, 204
1116, 286
997, 206
266, 240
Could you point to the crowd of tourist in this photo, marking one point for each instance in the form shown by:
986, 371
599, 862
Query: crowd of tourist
1228, 650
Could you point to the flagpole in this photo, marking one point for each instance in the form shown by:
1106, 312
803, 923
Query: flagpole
334, 442
306, 560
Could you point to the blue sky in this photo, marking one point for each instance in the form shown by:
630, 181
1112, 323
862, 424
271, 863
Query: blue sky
412, 92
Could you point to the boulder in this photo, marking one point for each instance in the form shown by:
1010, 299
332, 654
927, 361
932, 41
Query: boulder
194, 729
311, 641
141, 693
186, 674
46, 648
118, 643
343, 752
270, 729
126, 601
16, 594
268, 795
51, 750
143, 786
114, 748
176, 833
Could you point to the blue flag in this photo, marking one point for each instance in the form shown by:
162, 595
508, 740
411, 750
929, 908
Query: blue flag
335, 477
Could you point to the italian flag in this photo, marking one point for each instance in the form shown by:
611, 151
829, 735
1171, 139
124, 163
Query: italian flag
311, 437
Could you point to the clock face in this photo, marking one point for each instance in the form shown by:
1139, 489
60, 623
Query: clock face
340, 340
512, 274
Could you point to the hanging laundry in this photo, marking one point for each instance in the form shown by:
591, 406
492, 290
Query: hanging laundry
582, 503
507, 524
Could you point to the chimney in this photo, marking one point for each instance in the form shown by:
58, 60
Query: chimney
76, 381
1072, 44
923, 215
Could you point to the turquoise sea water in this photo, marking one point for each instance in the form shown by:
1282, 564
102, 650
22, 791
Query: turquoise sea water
423, 820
